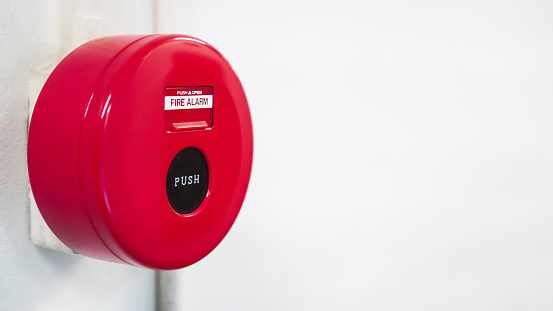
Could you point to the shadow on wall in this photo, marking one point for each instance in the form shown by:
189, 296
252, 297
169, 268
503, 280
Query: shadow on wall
58, 261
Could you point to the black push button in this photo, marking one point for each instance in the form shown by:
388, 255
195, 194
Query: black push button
187, 180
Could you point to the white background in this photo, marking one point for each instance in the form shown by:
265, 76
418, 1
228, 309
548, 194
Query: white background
403, 157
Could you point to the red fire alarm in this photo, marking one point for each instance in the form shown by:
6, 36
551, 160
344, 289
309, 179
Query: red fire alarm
140, 150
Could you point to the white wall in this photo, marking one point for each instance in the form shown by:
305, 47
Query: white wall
34, 36
403, 156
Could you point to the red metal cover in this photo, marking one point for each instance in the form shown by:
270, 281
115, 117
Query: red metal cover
101, 141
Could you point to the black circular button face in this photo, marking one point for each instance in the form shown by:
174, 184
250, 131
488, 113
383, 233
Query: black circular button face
187, 180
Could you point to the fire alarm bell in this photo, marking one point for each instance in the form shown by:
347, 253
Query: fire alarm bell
140, 150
